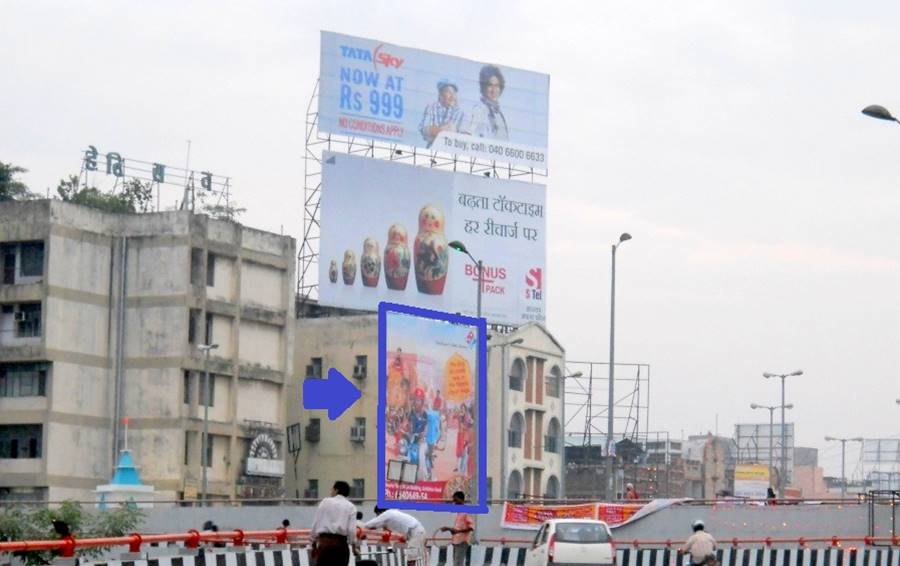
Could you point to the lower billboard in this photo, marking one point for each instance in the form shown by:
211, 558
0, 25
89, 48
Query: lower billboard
431, 409
386, 229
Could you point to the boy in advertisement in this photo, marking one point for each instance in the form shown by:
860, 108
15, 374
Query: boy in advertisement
444, 115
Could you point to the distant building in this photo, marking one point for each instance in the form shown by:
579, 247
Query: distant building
101, 316
528, 437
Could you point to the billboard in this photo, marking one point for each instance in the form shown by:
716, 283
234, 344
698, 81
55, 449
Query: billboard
431, 409
754, 441
385, 230
372, 89
751, 481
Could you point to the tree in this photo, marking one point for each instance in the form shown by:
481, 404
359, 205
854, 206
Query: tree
18, 522
229, 211
136, 196
10, 187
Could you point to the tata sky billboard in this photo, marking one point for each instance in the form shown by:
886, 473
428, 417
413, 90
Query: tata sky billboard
386, 229
372, 89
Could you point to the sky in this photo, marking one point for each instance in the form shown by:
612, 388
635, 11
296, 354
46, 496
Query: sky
726, 138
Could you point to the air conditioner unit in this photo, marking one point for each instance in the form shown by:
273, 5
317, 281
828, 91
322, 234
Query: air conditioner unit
21, 316
357, 434
359, 372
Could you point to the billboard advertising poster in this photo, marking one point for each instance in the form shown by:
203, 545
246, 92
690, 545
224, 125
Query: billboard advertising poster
385, 230
431, 409
372, 89
751, 481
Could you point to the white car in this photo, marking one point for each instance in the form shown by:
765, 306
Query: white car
572, 541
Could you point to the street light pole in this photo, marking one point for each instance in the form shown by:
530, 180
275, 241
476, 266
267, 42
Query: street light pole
771, 409
205, 348
460, 247
843, 442
783, 376
610, 436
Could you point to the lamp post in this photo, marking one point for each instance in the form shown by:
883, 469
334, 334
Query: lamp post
771, 409
205, 348
783, 376
460, 247
562, 444
843, 442
610, 480
504, 419
879, 112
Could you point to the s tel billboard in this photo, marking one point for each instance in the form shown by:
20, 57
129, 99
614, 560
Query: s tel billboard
372, 89
386, 229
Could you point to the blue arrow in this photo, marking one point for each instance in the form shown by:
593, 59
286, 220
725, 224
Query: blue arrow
336, 394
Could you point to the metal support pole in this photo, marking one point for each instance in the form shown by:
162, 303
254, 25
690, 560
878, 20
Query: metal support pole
771, 442
610, 442
203, 460
784, 471
480, 285
843, 473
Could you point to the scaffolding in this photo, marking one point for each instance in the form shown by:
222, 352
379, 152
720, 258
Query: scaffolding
317, 142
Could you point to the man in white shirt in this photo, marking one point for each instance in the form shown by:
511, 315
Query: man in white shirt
334, 528
701, 545
406, 525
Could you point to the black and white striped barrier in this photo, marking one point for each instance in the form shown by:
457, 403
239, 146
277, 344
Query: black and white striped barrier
486, 555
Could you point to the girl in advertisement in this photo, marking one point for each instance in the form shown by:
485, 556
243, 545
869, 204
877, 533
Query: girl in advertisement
487, 119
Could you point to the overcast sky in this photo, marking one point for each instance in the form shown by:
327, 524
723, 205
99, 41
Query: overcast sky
726, 139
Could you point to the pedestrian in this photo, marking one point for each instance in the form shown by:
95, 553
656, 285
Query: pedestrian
461, 532
285, 524
333, 530
770, 496
630, 492
406, 525
701, 545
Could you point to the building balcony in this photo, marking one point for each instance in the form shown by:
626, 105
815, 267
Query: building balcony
30, 466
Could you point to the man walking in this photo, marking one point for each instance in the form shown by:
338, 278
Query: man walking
334, 528
406, 525
461, 532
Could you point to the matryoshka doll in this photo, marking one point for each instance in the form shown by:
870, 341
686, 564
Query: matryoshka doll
332, 272
370, 263
349, 267
396, 258
430, 251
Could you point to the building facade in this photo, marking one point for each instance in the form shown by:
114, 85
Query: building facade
101, 316
524, 429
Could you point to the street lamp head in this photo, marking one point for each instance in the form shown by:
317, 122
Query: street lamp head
829, 438
767, 375
624, 237
789, 406
880, 112
576, 375
458, 246
858, 439
515, 342
796, 372
754, 406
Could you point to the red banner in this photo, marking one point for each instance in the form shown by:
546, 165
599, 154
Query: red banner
530, 516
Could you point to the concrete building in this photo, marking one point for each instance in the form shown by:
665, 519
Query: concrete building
525, 433
100, 319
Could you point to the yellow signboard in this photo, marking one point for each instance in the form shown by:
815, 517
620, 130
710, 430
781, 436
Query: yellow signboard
458, 377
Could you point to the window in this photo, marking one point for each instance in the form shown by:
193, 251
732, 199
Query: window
514, 485
516, 425
28, 320
210, 270
203, 390
187, 446
517, 376
23, 380
358, 488
9, 264
32, 261
193, 319
553, 382
361, 367
552, 491
358, 430
187, 387
581, 533
21, 441
312, 489
209, 450
314, 369
196, 266
551, 439
209, 328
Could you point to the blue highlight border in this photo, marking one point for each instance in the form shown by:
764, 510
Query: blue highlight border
480, 506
